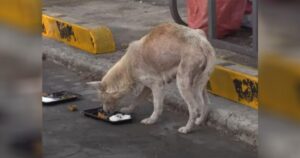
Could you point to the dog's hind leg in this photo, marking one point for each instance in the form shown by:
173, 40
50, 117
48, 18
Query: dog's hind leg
145, 93
158, 98
202, 98
205, 96
185, 87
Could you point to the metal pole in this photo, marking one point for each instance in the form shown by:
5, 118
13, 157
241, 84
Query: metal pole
255, 27
211, 19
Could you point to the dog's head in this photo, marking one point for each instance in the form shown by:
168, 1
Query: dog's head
109, 99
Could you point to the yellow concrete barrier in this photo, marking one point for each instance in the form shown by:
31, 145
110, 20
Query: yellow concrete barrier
22, 14
234, 84
93, 40
279, 92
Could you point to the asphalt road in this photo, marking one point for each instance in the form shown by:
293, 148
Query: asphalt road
70, 134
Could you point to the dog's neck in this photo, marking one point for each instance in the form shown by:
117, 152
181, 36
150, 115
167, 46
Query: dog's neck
119, 78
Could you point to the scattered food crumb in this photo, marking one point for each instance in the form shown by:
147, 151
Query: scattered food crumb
72, 108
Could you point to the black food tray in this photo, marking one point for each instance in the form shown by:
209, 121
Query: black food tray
93, 113
59, 97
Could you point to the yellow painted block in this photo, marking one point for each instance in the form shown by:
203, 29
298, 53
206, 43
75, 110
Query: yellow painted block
22, 14
97, 40
234, 85
280, 85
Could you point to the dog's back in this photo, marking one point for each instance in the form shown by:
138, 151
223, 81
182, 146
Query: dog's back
168, 45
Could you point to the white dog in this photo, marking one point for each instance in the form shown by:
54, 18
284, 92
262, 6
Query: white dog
169, 51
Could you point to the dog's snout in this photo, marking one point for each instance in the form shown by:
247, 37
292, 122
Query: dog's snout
107, 109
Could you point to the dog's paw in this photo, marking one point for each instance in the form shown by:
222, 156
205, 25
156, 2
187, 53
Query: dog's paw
184, 130
126, 110
148, 121
200, 120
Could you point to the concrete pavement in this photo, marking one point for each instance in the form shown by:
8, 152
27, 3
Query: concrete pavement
69, 134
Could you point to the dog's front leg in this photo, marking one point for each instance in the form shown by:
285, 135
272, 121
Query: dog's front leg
158, 98
145, 93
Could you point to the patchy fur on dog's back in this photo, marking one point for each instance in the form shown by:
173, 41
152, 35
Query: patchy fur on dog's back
169, 51
166, 45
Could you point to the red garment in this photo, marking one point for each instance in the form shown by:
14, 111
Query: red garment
248, 7
230, 14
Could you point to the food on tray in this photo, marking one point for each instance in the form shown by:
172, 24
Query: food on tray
119, 117
102, 115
